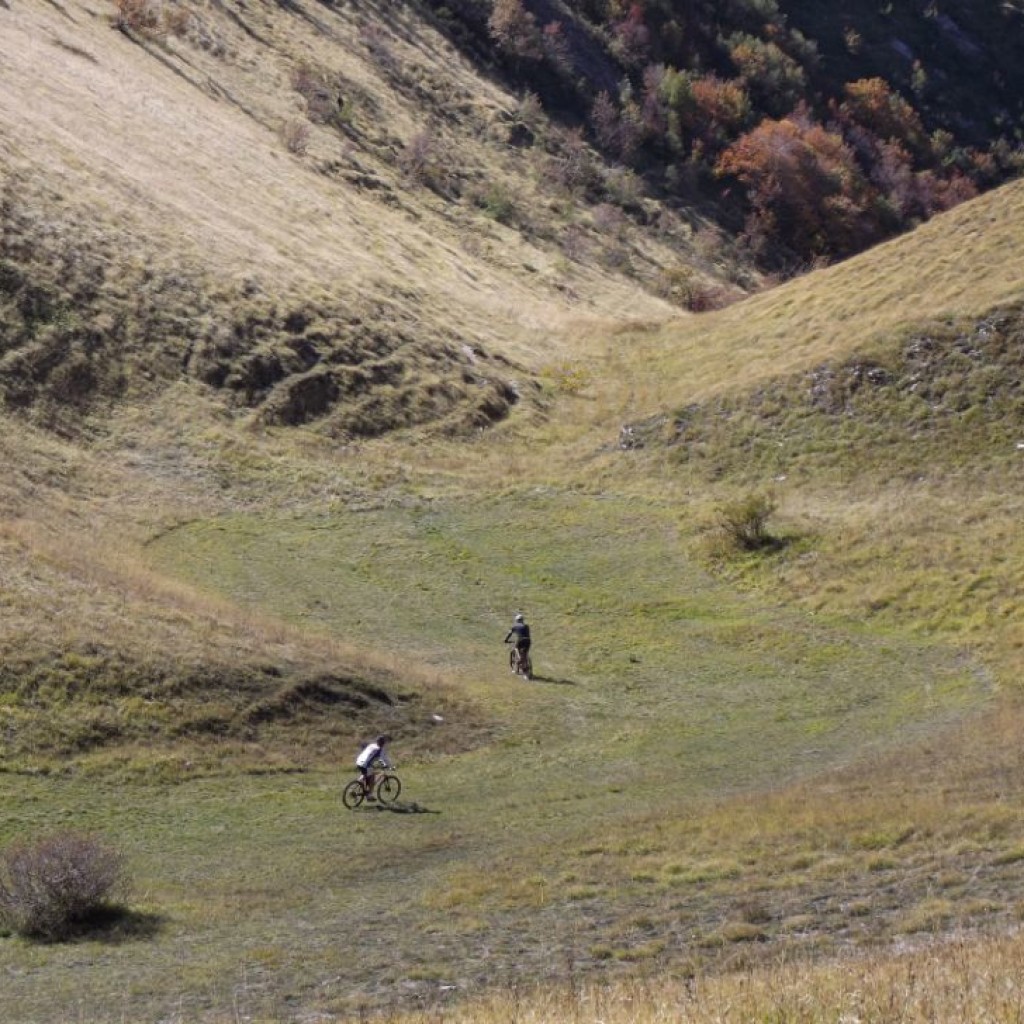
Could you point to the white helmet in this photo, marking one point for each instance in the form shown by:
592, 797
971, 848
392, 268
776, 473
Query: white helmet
519, 616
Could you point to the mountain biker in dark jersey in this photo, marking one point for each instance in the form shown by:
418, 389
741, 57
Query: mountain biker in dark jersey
521, 631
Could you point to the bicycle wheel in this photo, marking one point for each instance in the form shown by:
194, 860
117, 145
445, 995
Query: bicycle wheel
513, 660
388, 789
353, 794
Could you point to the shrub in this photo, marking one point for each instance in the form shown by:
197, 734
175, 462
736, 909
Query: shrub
530, 114
324, 102
568, 378
496, 202
295, 135
51, 887
428, 161
744, 522
682, 286
378, 42
609, 220
144, 17
573, 168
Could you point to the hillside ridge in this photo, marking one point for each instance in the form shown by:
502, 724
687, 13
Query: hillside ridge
142, 165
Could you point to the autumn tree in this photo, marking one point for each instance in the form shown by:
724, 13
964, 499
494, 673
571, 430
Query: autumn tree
514, 29
915, 173
652, 109
555, 45
871, 103
720, 109
775, 82
631, 38
604, 117
804, 187
702, 108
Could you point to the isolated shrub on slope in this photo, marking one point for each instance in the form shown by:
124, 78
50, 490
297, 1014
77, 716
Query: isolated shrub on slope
50, 887
744, 522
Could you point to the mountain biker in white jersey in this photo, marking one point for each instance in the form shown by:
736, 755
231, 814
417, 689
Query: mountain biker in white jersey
368, 757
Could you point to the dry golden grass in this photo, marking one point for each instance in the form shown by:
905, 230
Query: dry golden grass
966, 978
174, 146
960, 264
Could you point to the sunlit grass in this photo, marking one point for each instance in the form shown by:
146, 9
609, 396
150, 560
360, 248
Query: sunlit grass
942, 982
750, 780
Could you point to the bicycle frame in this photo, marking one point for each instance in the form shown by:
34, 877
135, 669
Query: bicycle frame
519, 662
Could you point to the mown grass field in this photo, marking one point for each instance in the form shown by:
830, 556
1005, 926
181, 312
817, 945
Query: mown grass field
722, 765
691, 782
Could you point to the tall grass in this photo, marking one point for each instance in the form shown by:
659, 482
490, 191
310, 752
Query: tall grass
946, 981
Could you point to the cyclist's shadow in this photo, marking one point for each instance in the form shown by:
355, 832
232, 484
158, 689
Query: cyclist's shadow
398, 807
535, 678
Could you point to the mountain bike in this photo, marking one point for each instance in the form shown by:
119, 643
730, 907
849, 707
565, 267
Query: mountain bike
521, 664
386, 787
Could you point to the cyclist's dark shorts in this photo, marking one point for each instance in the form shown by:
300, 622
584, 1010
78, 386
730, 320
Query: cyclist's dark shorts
523, 646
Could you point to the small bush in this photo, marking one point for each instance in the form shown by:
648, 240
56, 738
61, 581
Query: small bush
427, 160
496, 202
378, 42
295, 135
744, 522
145, 17
568, 378
683, 287
322, 92
51, 887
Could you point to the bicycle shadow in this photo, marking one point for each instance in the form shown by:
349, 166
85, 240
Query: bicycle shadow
535, 678
398, 807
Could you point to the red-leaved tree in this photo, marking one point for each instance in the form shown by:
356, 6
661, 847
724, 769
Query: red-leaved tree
804, 187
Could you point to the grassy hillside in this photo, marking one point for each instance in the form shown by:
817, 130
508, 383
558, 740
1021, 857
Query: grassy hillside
318, 214
879, 403
730, 765
214, 224
722, 763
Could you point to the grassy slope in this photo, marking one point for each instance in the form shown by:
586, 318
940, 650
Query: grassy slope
699, 765
405, 266
685, 777
152, 219
922, 474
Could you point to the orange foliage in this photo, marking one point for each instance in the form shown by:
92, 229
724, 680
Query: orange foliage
873, 105
719, 107
804, 185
